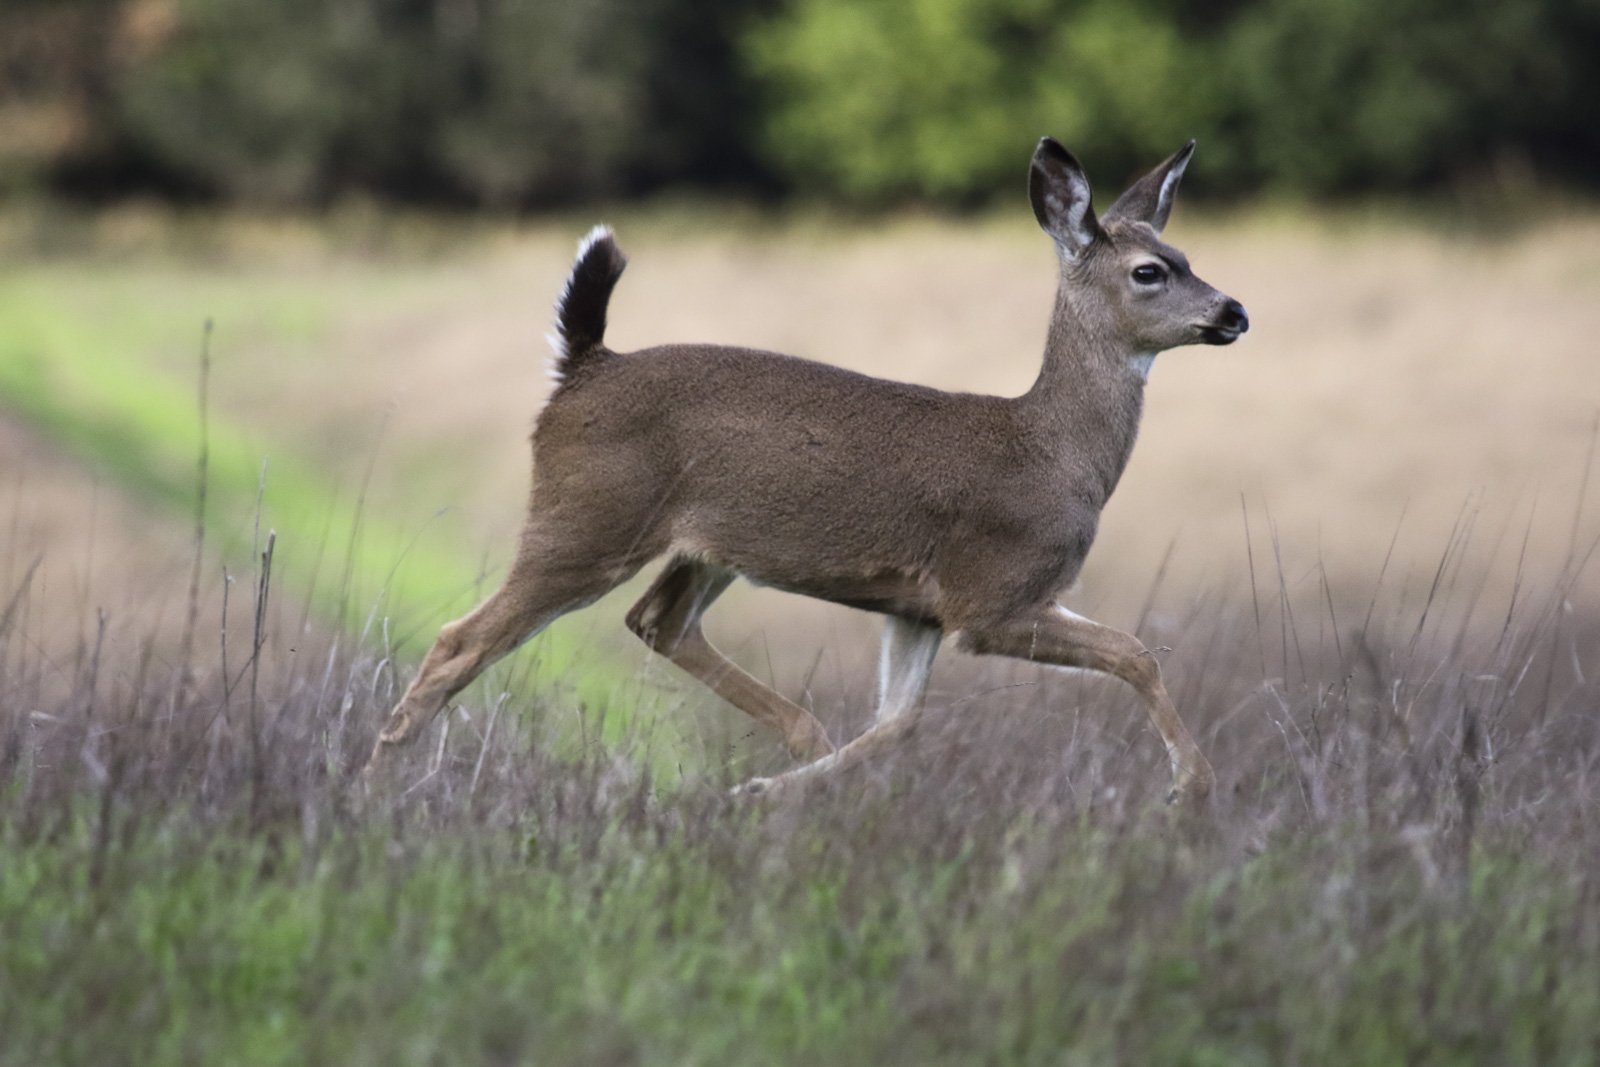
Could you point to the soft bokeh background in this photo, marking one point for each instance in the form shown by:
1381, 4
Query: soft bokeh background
374, 201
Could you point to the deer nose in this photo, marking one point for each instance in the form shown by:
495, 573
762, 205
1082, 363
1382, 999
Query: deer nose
1234, 317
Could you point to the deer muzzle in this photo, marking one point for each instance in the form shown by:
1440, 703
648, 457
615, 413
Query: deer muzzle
1230, 322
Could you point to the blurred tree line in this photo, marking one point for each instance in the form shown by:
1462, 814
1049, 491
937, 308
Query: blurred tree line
535, 103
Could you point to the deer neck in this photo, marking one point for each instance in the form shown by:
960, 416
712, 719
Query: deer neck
1089, 396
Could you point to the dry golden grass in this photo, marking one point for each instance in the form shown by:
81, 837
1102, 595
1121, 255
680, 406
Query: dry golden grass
1405, 826
81, 545
1395, 379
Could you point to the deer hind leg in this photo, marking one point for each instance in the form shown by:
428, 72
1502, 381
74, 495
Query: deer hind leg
909, 649
667, 618
547, 581
1057, 636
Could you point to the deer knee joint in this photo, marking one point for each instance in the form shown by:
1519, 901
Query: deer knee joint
639, 627
1139, 667
448, 644
647, 623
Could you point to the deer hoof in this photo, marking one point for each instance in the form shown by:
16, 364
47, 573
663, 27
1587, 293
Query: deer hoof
755, 787
1190, 793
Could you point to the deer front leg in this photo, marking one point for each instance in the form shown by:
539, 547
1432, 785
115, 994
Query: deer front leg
1060, 637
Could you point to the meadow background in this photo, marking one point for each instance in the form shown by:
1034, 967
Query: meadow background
273, 286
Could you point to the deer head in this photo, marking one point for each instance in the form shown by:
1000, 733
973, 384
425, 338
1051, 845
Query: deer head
1119, 278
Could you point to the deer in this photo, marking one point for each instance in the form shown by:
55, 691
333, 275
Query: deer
952, 514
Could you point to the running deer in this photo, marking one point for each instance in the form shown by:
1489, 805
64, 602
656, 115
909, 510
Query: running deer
949, 513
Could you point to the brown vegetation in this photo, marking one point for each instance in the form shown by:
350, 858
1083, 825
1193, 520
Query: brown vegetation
1396, 380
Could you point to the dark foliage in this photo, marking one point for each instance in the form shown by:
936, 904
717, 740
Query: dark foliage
532, 103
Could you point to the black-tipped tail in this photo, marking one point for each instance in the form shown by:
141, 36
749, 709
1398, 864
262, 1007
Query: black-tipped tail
581, 311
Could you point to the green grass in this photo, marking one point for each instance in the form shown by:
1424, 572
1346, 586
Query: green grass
618, 937
106, 362
1402, 864
1400, 867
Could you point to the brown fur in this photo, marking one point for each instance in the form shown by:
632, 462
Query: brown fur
951, 512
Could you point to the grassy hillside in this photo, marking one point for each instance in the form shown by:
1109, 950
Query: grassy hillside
1395, 376
101, 363
1388, 651
1400, 867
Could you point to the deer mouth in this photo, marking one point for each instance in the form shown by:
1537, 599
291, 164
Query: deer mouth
1219, 335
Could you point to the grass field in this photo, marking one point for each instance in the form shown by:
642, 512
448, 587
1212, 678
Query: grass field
1365, 534
1397, 375
1400, 868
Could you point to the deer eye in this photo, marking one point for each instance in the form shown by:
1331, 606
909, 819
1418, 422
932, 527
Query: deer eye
1148, 274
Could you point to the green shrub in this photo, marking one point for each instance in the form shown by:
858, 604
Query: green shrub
497, 102
546, 101
272, 102
941, 98
1395, 93
532, 103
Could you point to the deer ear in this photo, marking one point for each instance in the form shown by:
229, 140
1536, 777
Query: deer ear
1060, 195
1150, 198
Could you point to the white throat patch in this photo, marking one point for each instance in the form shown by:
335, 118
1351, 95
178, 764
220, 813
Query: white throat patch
1141, 362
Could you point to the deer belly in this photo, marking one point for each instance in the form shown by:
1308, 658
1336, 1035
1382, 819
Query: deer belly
888, 592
